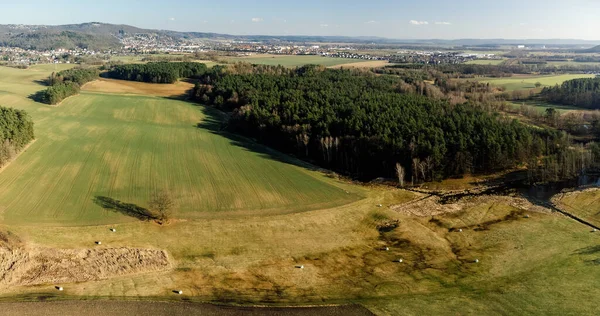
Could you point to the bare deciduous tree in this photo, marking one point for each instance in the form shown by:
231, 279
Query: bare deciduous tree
400, 174
161, 204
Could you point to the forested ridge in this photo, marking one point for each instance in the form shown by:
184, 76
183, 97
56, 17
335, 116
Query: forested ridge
66, 83
157, 72
16, 131
583, 92
358, 123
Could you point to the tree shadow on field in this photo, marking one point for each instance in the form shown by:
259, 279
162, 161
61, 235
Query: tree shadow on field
42, 82
127, 209
215, 122
187, 94
38, 97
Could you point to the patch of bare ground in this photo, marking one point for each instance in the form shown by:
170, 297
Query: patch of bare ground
433, 205
21, 265
104, 85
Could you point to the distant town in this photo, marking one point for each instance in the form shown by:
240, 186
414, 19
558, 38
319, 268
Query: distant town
144, 43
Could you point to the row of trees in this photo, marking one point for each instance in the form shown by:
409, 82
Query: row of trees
77, 75
358, 123
66, 83
160, 72
577, 92
16, 131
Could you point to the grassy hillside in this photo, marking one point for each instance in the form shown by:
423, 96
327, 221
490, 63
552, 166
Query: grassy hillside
125, 147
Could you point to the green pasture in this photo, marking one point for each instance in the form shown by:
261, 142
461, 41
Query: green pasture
542, 106
528, 82
126, 147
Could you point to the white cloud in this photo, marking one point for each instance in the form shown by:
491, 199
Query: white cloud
522, 24
257, 20
324, 25
415, 22
443, 23
371, 22
171, 19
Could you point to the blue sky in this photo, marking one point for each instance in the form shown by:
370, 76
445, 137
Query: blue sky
387, 18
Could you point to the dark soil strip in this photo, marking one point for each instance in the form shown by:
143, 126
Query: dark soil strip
94, 308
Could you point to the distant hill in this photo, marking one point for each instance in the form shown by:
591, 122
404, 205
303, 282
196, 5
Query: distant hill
593, 50
92, 35
96, 35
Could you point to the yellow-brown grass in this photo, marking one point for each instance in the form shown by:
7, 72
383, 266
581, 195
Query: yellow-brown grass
141, 88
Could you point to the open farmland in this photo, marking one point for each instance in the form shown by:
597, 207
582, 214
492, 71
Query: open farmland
521, 82
247, 216
125, 147
485, 62
543, 105
294, 60
364, 64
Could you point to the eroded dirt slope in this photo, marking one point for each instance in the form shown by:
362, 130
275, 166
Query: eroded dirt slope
22, 265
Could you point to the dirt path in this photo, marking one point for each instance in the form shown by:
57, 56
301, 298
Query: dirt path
93, 308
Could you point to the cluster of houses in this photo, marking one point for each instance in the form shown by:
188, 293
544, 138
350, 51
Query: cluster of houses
20, 56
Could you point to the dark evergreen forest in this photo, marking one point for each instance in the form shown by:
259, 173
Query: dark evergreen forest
583, 93
356, 123
159, 72
16, 131
66, 83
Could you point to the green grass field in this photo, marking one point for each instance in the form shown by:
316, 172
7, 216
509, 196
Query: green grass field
139, 59
528, 82
125, 147
542, 106
294, 61
485, 62
573, 63
246, 216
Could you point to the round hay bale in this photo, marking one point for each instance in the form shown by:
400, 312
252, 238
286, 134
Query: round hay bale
476, 261
98, 243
